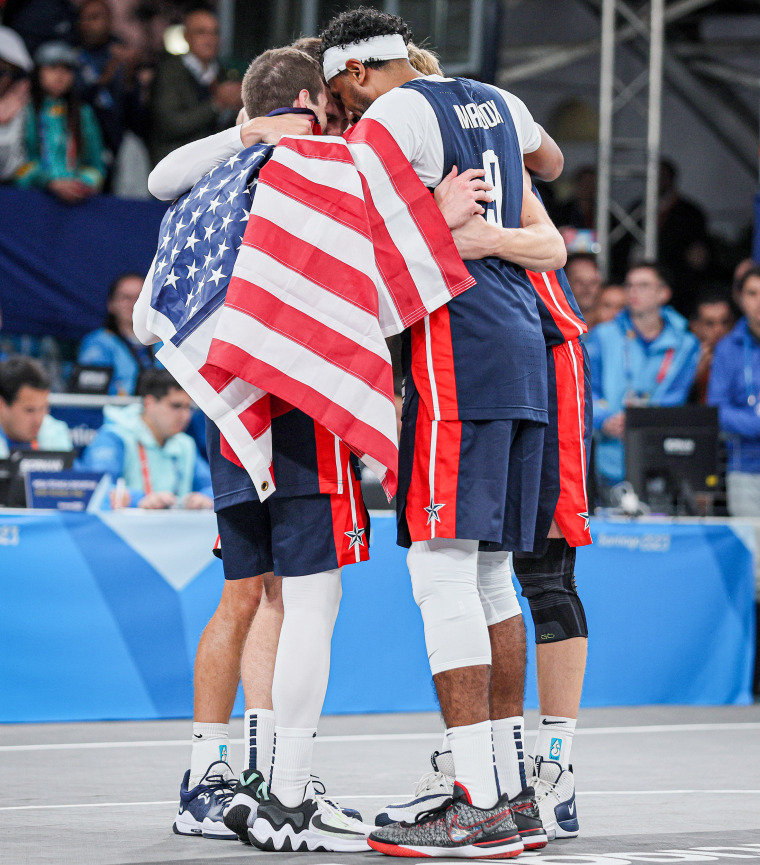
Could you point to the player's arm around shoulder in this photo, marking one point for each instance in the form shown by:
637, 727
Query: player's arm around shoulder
537, 245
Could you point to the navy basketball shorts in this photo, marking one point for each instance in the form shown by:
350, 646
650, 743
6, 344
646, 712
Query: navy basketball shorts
294, 536
567, 446
476, 480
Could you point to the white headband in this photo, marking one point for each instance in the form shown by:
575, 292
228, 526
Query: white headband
390, 47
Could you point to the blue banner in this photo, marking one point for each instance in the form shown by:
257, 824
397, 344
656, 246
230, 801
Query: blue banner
57, 260
101, 616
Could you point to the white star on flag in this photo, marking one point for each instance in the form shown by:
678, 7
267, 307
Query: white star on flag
178, 227
216, 275
194, 216
172, 278
232, 160
213, 204
192, 270
226, 220
209, 230
191, 241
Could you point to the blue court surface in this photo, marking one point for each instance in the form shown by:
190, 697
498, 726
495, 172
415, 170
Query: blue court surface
654, 784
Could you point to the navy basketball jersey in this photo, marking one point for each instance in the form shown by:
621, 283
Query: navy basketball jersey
561, 317
482, 356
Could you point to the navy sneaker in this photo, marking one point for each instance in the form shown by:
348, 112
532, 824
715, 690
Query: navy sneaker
201, 809
555, 794
431, 791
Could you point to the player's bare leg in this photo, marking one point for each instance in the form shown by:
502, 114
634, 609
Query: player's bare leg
217, 660
206, 788
257, 671
463, 695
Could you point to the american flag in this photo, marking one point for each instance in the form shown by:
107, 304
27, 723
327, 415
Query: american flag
343, 246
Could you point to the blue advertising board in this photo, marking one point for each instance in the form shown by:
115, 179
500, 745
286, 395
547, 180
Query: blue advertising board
102, 613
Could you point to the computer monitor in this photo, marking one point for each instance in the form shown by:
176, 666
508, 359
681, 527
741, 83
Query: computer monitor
671, 453
90, 379
20, 463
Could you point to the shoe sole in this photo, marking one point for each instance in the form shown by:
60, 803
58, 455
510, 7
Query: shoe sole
237, 819
283, 841
505, 850
187, 831
534, 839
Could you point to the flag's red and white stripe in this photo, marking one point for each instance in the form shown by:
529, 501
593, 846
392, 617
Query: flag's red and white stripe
344, 246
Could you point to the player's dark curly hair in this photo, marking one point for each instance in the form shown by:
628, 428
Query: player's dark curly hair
365, 22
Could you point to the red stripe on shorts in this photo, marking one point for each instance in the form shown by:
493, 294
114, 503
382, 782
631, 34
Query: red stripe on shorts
347, 530
571, 513
433, 364
431, 508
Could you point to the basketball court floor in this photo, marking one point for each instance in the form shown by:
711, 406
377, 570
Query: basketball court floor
654, 784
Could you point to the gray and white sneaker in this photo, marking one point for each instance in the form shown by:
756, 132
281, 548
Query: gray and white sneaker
250, 791
555, 796
320, 794
431, 791
312, 826
455, 829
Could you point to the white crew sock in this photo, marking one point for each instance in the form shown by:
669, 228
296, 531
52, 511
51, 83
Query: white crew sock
211, 742
291, 764
555, 739
472, 750
508, 735
258, 736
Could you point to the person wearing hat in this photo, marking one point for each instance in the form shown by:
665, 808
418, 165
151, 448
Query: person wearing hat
15, 66
64, 145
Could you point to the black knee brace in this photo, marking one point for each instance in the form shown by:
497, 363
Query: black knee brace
548, 583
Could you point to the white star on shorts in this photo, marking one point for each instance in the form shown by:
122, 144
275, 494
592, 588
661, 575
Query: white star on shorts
355, 537
586, 517
432, 511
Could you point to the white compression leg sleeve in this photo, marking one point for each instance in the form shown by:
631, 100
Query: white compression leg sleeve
496, 589
445, 585
301, 672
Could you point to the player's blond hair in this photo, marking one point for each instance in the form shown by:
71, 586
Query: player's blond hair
424, 61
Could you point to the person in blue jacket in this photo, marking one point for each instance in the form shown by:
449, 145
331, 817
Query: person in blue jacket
146, 446
734, 387
115, 344
644, 356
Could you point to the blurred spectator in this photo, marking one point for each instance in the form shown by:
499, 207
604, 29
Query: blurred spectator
735, 388
644, 356
713, 318
15, 66
24, 419
107, 77
683, 246
147, 447
40, 21
611, 301
740, 270
115, 344
191, 98
585, 281
579, 211
682, 242
64, 147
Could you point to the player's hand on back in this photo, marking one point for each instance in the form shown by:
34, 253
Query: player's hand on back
458, 196
269, 130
